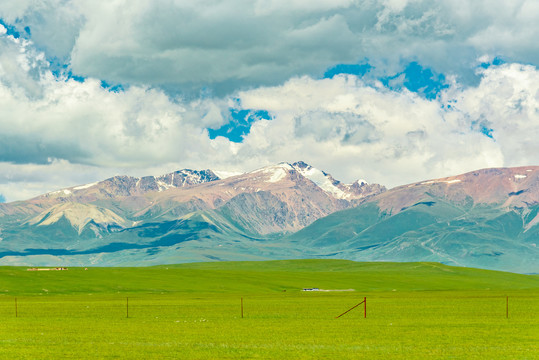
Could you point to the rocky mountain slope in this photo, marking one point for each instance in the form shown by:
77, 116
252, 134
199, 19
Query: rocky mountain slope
133, 214
113, 188
486, 218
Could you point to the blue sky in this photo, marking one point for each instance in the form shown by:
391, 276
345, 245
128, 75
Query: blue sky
391, 91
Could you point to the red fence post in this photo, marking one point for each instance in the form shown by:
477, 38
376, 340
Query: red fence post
365, 307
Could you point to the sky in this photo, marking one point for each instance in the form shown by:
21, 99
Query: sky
390, 91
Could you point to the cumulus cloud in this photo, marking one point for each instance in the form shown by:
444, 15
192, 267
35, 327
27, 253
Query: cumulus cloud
47, 117
50, 123
216, 44
53, 24
355, 130
56, 131
24, 181
226, 45
506, 105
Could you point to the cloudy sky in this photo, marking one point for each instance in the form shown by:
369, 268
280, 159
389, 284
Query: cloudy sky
391, 91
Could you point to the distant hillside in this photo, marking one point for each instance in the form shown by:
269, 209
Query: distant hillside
486, 218
261, 277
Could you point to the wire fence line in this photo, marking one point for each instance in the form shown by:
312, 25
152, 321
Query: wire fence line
229, 307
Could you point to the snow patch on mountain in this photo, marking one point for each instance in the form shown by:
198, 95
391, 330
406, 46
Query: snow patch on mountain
82, 187
454, 181
274, 173
277, 176
221, 174
163, 185
322, 180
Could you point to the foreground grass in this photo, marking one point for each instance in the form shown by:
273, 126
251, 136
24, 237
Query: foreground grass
193, 312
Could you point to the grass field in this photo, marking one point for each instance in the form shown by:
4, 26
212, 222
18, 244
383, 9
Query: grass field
192, 311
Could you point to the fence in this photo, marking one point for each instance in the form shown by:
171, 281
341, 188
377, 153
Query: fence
265, 307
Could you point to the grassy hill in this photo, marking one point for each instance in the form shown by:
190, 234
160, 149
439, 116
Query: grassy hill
192, 311
259, 277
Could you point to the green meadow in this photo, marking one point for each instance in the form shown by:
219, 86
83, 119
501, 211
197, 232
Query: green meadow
193, 311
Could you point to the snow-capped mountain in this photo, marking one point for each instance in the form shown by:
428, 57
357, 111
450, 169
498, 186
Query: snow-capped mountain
357, 190
129, 185
271, 200
486, 218
120, 188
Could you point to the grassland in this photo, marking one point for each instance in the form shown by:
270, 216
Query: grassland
192, 311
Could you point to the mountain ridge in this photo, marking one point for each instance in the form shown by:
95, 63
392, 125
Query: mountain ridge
167, 210
486, 218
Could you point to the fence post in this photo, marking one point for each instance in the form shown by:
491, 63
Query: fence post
365, 307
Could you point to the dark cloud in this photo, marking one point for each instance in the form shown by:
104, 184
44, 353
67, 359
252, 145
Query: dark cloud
237, 44
25, 149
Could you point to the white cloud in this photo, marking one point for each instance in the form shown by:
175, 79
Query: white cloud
56, 132
341, 125
354, 130
266, 7
50, 123
18, 182
506, 101
228, 45
54, 24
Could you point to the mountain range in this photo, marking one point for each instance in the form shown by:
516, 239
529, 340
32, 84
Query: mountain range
486, 218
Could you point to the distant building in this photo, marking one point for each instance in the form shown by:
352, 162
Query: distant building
47, 269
